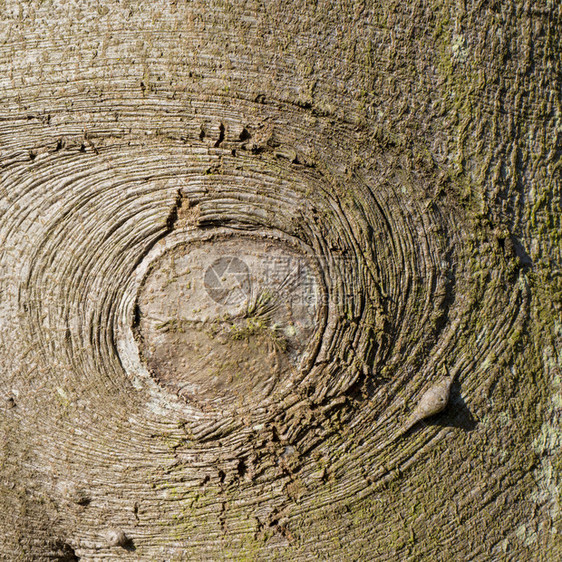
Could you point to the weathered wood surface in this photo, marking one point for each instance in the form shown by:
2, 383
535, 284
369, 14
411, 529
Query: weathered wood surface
410, 152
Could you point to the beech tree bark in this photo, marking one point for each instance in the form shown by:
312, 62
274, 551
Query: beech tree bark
241, 240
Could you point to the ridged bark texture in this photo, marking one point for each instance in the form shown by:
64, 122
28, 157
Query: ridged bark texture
405, 156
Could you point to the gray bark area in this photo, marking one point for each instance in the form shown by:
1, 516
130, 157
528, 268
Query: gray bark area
407, 152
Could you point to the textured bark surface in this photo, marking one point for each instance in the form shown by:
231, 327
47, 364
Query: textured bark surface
408, 152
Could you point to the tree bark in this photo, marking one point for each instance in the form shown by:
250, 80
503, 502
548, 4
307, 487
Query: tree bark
240, 241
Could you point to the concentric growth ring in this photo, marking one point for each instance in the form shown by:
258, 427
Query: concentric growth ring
235, 307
